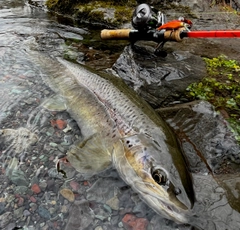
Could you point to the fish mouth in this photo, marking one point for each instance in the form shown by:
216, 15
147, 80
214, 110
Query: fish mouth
166, 209
158, 199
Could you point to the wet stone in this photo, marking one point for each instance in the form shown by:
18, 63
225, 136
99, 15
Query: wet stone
50, 131
131, 222
52, 210
68, 139
101, 214
20, 201
113, 203
80, 216
115, 220
33, 207
50, 184
141, 209
65, 143
70, 35
33, 199
20, 190
98, 228
157, 221
44, 158
44, 213
54, 173
42, 224
74, 185
155, 79
10, 198
26, 213
2, 208
35, 188
5, 218
18, 178
67, 129
11, 226
64, 209
30, 101
120, 224
52, 144
199, 121
102, 190
61, 149
67, 194
18, 212
107, 208
42, 185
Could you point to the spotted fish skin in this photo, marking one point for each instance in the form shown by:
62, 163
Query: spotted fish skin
122, 103
142, 147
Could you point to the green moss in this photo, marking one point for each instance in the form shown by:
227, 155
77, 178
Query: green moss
123, 14
221, 87
62, 6
93, 11
51, 4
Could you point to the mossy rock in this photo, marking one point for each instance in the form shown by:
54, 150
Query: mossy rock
111, 12
221, 88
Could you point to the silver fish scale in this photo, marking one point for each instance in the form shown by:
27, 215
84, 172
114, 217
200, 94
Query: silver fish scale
127, 115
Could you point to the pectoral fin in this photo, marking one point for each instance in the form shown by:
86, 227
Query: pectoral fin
55, 103
90, 156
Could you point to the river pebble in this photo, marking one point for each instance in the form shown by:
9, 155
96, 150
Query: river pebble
35, 188
67, 194
5, 219
131, 222
18, 177
18, 212
60, 124
113, 203
33, 207
43, 212
26, 213
74, 185
2, 208
20, 189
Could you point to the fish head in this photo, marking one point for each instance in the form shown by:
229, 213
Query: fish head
149, 169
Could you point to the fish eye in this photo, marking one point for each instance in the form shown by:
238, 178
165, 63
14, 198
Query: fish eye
159, 176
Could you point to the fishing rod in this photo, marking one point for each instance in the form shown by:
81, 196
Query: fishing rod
151, 25
166, 35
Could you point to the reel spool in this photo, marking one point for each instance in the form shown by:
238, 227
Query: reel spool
146, 18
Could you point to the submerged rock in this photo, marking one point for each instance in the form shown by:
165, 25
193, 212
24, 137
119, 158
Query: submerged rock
44, 213
80, 217
5, 219
16, 175
19, 139
131, 222
67, 194
102, 190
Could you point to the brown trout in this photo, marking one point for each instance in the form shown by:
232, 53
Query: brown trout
121, 129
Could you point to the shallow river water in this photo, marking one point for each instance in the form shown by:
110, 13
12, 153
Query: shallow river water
33, 195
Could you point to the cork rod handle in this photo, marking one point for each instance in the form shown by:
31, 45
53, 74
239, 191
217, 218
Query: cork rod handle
122, 34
